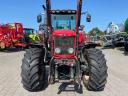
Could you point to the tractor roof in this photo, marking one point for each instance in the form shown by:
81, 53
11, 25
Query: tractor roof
28, 29
63, 11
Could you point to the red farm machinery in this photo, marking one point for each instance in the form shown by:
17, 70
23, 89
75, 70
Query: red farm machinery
11, 35
62, 49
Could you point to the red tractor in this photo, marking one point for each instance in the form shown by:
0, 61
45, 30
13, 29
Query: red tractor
64, 52
11, 35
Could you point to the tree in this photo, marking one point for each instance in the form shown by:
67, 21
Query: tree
126, 26
96, 32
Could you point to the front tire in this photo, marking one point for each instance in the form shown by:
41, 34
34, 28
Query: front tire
33, 69
96, 76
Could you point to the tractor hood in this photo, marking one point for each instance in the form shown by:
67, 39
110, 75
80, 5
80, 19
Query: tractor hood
58, 33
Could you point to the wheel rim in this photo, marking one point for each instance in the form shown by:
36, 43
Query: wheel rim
86, 79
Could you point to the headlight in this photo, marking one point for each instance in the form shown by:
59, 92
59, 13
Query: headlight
57, 50
70, 50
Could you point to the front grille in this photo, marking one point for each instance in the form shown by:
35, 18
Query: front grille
64, 43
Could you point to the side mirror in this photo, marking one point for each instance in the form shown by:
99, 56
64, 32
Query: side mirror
88, 18
39, 18
81, 27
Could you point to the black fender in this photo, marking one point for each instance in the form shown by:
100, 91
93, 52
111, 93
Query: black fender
36, 45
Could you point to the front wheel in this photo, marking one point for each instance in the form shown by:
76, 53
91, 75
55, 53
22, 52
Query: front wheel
33, 69
96, 77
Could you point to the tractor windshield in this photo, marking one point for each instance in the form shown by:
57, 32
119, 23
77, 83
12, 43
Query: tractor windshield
28, 31
63, 21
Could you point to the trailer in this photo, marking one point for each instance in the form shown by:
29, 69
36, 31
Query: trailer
11, 35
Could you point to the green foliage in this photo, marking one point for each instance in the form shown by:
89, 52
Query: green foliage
96, 32
126, 26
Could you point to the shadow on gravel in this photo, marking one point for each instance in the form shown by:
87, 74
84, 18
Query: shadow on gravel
104, 48
110, 47
45, 86
122, 49
45, 83
64, 87
11, 50
46, 80
67, 87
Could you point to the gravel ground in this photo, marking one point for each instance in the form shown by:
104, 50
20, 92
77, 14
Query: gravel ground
10, 80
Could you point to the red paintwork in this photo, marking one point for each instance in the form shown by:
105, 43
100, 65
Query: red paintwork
11, 33
64, 56
64, 33
59, 33
5, 37
16, 32
1, 34
81, 38
20, 44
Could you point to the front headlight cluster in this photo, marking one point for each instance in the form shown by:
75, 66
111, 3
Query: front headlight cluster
70, 50
59, 50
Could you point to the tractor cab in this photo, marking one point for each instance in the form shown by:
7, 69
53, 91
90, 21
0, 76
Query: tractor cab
64, 30
63, 27
64, 38
63, 20
30, 35
28, 31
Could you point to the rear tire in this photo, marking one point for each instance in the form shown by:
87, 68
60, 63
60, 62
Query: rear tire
33, 69
97, 71
126, 47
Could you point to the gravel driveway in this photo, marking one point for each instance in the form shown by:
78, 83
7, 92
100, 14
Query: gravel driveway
10, 80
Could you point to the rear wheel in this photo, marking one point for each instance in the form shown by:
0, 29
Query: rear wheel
96, 76
33, 69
